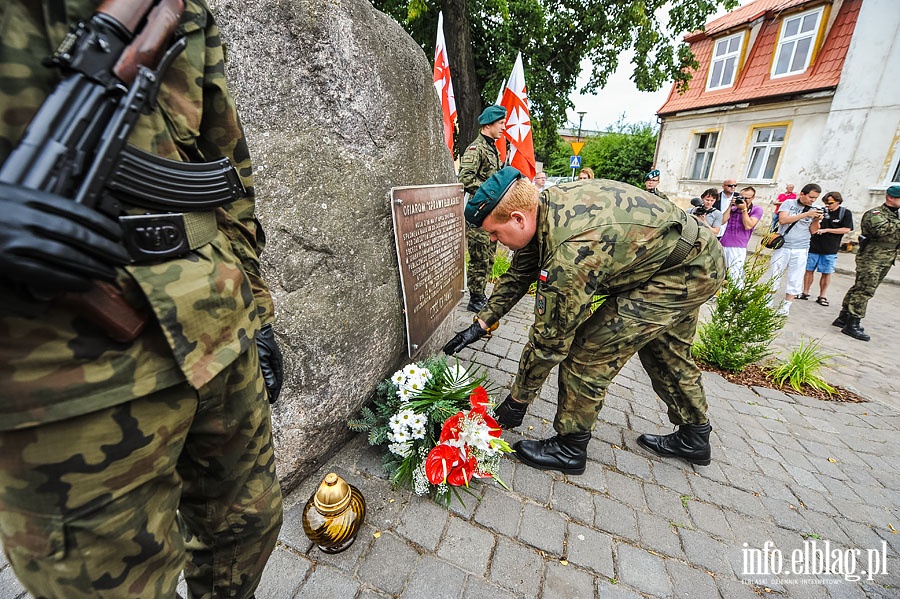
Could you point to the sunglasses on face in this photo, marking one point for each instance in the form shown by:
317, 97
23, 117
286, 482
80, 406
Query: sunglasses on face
830, 203
730, 185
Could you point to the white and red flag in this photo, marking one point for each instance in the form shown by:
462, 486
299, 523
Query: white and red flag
443, 85
518, 123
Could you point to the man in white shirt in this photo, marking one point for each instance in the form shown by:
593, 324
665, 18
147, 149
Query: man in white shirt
797, 222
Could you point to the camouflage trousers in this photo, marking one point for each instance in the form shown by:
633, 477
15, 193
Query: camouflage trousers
481, 259
117, 502
660, 332
872, 266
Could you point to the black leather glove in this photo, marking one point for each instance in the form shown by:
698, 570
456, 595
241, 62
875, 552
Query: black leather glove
270, 362
50, 244
464, 338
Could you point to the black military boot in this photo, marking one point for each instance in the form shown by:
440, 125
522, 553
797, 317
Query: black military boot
854, 329
510, 413
841, 320
476, 302
563, 453
690, 442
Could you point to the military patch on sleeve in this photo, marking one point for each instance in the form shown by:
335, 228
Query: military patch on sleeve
540, 303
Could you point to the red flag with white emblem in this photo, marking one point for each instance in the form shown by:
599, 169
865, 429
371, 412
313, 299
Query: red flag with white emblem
443, 85
518, 123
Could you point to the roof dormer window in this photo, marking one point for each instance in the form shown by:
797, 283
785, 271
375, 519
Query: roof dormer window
724, 65
796, 42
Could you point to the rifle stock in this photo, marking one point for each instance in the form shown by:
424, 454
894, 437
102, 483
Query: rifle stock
72, 141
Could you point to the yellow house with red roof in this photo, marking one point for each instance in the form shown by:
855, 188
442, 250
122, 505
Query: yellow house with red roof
789, 91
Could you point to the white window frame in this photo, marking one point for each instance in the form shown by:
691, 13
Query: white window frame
766, 147
723, 59
707, 154
894, 174
789, 43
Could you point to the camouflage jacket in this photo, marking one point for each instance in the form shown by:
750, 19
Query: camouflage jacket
207, 305
594, 237
881, 226
478, 163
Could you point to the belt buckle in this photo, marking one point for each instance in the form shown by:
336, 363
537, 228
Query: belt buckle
154, 237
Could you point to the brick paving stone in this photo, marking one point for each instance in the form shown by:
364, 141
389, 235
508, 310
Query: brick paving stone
667, 503
578, 503
703, 551
590, 549
613, 416
812, 500
732, 498
477, 588
642, 570
566, 581
659, 534
748, 530
324, 582
633, 464
434, 579
733, 589
861, 536
773, 469
543, 528
750, 481
10, 587
532, 483
499, 511
422, 522
838, 488
608, 433
614, 517
609, 590
714, 472
469, 500
769, 487
593, 477
691, 583
853, 510
709, 518
624, 488
784, 515
517, 568
467, 546
380, 566
845, 590
670, 475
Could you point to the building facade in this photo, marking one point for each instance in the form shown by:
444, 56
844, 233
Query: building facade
789, 91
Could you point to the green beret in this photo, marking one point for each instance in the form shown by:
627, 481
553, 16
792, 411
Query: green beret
489, 194
894, 191
651, 175
491, 114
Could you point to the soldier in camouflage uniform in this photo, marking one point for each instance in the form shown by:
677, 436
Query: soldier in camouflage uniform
655, 266
876, 255
478, 162
122, 463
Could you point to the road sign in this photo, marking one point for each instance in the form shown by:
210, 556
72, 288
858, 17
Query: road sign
574, 161
576, 147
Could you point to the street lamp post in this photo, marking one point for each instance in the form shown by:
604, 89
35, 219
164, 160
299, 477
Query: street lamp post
578, 137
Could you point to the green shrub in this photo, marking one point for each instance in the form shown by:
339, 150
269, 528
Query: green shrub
802, 368
501, 264
742, 325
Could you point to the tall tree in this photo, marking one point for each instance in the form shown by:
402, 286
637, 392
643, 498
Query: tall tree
555, 37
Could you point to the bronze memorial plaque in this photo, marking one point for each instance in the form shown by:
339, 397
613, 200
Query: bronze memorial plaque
430, 234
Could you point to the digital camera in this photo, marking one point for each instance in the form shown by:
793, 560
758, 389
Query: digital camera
700, 209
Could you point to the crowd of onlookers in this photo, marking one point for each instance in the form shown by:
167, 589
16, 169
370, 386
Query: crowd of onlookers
810, 238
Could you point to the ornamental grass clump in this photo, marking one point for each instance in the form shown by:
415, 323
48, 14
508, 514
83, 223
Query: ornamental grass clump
742, 325
803, 368
436, 423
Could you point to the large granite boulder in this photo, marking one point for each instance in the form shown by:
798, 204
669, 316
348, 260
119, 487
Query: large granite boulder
339, 107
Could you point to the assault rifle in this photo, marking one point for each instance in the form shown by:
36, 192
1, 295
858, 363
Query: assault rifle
75, 146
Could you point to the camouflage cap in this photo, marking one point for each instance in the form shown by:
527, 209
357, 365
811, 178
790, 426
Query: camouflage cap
893, 191
651, 175
491, 114
489, 194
